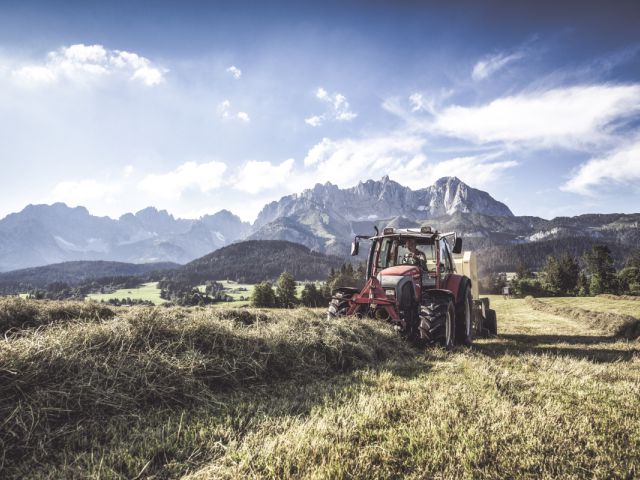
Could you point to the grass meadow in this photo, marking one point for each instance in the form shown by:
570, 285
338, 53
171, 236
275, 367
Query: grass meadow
205, 393
147, 291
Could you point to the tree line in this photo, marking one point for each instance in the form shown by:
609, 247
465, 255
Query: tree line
593, 273
284, 293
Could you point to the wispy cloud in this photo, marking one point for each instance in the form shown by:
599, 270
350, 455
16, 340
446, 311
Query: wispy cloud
620, 167
338, 109
224, 109
571, 117
235, 72
487, 66
81, 63
204, 177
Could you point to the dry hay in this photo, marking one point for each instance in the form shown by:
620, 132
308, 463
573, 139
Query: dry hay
17, 314
71, 374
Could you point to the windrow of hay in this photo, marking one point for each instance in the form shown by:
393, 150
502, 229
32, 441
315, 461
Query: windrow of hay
619, 297
57, 380
18, 313
608, 323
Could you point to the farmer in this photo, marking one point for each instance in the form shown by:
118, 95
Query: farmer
415, 256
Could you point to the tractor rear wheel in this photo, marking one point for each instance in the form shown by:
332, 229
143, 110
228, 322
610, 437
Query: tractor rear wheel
339, 305
491, 322
438, 321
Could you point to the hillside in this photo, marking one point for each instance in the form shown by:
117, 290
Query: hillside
74, 273
257, 260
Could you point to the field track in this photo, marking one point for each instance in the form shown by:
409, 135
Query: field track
550, 397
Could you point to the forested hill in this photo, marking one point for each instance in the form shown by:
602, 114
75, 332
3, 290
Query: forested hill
74, 273
257, 260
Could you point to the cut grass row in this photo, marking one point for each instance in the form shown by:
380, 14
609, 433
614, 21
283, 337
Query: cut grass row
606, 322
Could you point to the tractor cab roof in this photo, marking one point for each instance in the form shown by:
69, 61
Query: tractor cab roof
423, 233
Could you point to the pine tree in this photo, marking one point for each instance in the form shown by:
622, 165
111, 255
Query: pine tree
263, 296
600, 268
286, 290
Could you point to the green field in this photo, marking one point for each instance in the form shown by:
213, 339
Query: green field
240, 292
244, 393
147, 291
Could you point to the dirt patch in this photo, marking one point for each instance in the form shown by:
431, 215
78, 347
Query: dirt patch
608, 323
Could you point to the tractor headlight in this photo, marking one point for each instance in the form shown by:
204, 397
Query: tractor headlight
390, 292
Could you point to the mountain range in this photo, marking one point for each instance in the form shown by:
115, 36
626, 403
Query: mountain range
323, 218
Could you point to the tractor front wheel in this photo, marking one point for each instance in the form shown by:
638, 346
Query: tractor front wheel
438, 321
339, 305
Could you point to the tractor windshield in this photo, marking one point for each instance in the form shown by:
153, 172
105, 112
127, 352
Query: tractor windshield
400, 250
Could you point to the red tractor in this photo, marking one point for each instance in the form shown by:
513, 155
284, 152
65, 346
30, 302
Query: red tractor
414, 282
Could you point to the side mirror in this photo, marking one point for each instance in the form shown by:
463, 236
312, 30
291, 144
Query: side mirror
355, 247
457, 245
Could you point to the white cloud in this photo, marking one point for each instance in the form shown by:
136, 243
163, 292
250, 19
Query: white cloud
620, 167
81, 63
224, 109
345, 162
572, 117
338, 109
203, 176
88, 190
314, 121
235, 71
256, 176
490, 65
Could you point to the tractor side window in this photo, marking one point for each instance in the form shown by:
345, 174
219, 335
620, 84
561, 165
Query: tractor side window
383, 253
445, 260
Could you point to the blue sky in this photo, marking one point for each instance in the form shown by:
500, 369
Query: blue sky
199, 106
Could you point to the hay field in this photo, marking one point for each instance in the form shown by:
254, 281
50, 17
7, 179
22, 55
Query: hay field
242, 393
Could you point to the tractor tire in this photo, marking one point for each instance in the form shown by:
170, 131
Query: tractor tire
464, 318
438, 322
409, 311
491, 322
339, 305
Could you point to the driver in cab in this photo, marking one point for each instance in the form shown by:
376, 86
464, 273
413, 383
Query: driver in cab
414, 255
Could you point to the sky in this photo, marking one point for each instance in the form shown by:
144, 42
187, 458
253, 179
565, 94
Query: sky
194, 106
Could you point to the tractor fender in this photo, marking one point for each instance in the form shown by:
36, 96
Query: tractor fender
456, 284
440, 292
346, 290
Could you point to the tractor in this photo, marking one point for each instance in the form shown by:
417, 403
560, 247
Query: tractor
414, 282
